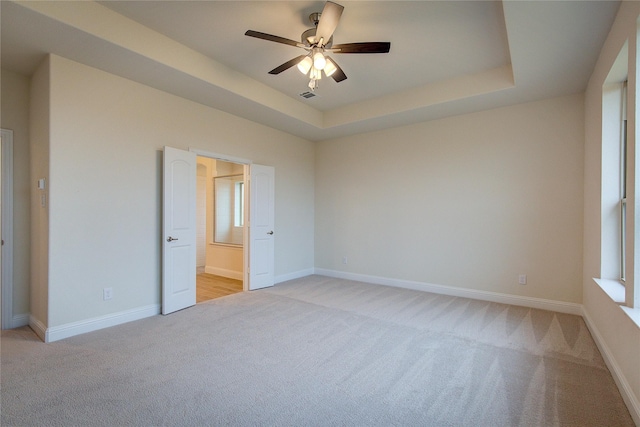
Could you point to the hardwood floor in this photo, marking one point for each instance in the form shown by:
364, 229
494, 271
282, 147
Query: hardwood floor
209, 286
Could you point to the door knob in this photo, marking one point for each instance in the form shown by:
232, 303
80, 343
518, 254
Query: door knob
270, 233
170, 239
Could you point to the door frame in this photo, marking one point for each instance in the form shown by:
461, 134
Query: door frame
245, 232
6, 288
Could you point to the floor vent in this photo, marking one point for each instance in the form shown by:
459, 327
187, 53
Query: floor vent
308, 94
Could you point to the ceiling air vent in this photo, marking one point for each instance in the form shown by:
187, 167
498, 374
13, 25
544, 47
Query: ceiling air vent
308, 94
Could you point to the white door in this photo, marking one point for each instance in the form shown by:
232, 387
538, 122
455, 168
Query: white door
179, 230
261, 230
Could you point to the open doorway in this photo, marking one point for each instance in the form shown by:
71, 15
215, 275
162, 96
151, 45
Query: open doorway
179, 201
220, 217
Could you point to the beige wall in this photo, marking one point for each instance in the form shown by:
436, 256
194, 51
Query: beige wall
15, 116
469, 201
40, 150
201, 214
226, 261
618, 335
107, 135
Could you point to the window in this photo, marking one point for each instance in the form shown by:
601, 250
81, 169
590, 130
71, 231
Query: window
623, 183
614, 176
620, 188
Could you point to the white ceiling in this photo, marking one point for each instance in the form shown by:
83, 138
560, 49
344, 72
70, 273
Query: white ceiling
446, 58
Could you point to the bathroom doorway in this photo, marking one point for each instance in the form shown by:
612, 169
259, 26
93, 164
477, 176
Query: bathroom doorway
220, 217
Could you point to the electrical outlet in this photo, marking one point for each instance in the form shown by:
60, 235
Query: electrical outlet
107, 293
344, 260
522, 279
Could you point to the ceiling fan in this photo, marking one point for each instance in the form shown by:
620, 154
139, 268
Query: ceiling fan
318, 42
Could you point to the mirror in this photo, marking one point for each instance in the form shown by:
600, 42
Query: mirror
228, 196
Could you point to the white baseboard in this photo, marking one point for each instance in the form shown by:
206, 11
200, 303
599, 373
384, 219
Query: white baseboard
76, 328
294, 275
540, 303
623, 385
38, 327
231, 274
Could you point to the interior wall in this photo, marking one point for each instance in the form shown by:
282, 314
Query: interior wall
107, 136
201, 215
614, 328
15, 116
39, 167
470, 201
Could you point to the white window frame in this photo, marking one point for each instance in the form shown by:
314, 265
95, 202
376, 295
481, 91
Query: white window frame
623, 184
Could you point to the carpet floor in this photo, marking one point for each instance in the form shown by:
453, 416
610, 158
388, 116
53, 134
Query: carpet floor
317, 351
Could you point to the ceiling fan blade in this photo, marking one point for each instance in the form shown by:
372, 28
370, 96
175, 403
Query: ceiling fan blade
337, 75
272, 38
287, 65
367, 47
328, 21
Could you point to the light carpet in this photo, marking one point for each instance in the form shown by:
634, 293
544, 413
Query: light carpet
317, 351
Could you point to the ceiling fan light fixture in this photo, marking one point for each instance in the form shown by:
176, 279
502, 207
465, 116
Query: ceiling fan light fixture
305, 65
319, 60
330, 67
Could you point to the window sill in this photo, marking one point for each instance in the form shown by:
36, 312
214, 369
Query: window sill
633, 313
615, 290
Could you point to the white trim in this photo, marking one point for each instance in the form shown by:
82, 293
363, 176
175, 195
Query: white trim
231, 274
76, 328
531, 302
618, 376
38, 327
616, 291
294, 275
218, 156
613, 288
7, 229
633, 313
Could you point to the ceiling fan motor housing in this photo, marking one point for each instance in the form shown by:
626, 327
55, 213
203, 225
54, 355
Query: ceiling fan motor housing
311, 32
